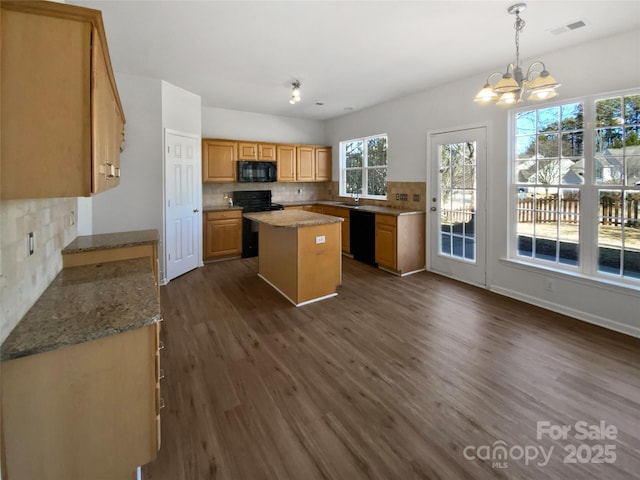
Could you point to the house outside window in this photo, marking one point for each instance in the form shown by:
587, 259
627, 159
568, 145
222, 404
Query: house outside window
363, 167
576, 186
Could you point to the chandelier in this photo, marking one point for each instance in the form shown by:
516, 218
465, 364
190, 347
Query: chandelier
295, 92
537, 83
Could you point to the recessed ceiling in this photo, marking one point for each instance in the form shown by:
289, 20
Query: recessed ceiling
347, 55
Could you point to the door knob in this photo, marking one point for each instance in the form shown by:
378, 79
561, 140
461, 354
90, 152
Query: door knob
195, 210
433, 209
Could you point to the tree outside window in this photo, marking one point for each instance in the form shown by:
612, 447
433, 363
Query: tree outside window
364, 167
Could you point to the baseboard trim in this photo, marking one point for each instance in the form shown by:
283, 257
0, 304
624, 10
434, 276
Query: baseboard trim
571, 312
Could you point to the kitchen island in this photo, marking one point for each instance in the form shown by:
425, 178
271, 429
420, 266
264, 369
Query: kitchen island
299, 253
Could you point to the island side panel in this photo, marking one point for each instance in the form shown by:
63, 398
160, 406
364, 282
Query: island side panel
277, 256
319, 264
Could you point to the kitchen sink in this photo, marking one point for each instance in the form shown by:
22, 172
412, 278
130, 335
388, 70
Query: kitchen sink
350, 205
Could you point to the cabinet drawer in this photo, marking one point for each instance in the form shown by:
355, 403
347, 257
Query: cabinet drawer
387, 219
223, 214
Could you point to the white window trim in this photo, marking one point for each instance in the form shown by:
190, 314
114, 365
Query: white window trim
365, 180
588, 230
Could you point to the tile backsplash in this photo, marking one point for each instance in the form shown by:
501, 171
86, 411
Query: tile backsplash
24, 277
213, 194
402, 195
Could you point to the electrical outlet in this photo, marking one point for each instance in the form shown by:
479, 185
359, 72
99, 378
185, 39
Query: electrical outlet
404, 197
31, 244
416, 197
72, 218
397, 196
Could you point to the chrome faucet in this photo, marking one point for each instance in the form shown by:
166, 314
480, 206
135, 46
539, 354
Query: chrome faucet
356, 197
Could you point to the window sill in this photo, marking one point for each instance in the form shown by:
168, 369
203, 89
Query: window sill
602, 283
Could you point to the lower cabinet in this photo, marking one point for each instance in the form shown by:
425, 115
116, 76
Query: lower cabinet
222, 234
90, 410
400, 242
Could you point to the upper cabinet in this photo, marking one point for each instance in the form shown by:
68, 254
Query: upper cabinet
305, 164
323, 164
286, 158
63, 122
219, 160
296, 163
257, 151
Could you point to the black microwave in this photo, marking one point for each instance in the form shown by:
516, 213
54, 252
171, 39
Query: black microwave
257, 171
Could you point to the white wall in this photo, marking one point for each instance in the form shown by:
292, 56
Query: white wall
136, 204
181, 110
234, 124
587, 69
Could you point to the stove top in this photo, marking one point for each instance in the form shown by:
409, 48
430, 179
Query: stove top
255, 201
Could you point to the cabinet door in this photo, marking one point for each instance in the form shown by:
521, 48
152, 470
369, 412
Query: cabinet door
223, 237
247, 151
286, 158
267, 152
46, 104
219, 161
106, 124
305, 164
323, 164
386, 245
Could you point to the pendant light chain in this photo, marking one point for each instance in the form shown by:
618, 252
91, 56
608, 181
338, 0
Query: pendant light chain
519, 26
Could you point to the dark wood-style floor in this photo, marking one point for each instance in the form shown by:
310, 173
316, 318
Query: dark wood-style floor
392, 379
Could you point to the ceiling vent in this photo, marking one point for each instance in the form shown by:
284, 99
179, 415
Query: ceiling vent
568, 27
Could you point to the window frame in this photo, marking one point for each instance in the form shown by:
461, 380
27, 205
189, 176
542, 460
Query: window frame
365, 168
588, 248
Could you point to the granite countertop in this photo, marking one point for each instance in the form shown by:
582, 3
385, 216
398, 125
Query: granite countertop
105, 241
364, 208
292, 218
86, 303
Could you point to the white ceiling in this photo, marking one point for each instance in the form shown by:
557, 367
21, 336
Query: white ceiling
244, 55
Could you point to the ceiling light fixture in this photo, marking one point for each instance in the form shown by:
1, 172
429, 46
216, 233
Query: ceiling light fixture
295, 92
513, 84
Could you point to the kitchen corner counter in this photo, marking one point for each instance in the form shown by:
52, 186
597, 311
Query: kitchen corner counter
86, 303
106, 241
292, 218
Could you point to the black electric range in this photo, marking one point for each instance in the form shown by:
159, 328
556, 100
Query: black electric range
253, 201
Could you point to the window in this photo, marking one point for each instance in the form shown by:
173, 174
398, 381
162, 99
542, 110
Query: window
577, 186
363, 167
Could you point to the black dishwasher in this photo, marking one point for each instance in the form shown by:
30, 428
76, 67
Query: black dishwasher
362, 231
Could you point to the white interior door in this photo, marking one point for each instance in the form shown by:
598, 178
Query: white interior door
183, 220
456, 203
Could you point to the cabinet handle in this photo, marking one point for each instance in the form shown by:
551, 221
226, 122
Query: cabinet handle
161, 345
161, 403
161, 375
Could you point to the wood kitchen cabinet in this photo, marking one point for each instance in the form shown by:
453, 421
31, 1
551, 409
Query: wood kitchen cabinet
313, 164
305, 164
63, 121
219, 160
286, 158
89, 410
265, 152
400, 242
323, 164
222, 234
